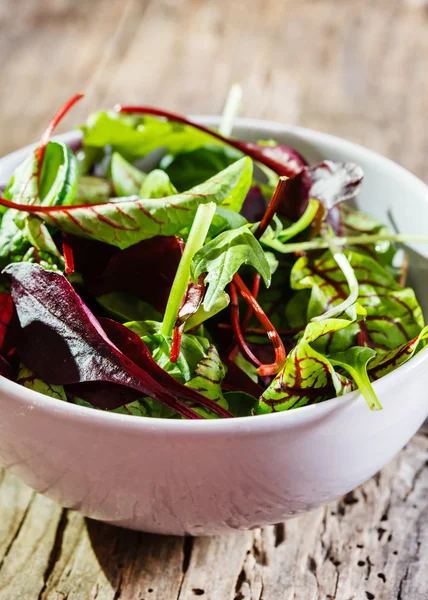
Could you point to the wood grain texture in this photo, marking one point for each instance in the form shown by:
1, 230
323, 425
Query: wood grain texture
353, 69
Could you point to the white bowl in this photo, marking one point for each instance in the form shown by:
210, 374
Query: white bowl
208, 477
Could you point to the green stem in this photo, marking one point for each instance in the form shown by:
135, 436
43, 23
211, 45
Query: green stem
364, 385
354, 240
231, 109
195, 241
304, 222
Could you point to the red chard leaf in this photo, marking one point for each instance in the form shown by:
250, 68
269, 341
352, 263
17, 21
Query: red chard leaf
75, 347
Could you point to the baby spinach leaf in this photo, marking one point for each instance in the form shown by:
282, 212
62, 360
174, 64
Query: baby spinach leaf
191, 168
308, 376
221, 258
241, 404
125, 307
124, 222
157, 184
127, 179
393, 316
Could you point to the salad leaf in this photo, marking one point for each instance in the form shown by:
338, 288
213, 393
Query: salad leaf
13, 243
355, 361
328, 182
154, 261
191, 168
134, 136
208, 377
308, 376
6, 312
76, 348
125, 307
254, 206
157, 184
93, 190
125, 222
241, 404
127, 179
384, 363
393, 316
28, 379
221, 258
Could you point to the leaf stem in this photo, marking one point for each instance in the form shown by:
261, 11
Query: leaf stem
354, 240
364, 385
195, 241
231, 109
280, 354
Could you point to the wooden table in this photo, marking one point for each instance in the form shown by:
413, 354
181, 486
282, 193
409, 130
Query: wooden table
356, 69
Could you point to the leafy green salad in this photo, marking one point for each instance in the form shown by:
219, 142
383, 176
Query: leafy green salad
159, 268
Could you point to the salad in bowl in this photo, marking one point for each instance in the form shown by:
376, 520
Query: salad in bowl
160, 268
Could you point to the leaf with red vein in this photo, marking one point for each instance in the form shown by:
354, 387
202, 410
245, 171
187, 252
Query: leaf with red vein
124, 222
308, 376
394, 316
76, 348
389, 361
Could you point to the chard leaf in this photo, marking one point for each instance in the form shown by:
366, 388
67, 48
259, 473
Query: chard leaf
308, 376
328, 182
38, 235
106, 269
221, 258
108, 368
58, 181
191, 168
93, 190
127, 179
355, 361
6, 312
384, 363
394, 316
28, 379
124, 222
157, 184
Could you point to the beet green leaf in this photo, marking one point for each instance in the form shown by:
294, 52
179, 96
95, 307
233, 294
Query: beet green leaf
124, 222
394, 316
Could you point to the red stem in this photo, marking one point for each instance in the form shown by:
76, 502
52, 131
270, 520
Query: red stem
264, 321
255, 292
279, 195
176, 343
67, 250
252, 150
234, 311
49, 130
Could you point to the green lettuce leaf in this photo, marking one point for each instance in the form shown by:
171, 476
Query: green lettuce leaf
207, 379
92, 190
221, 258
355, 361
136, 136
